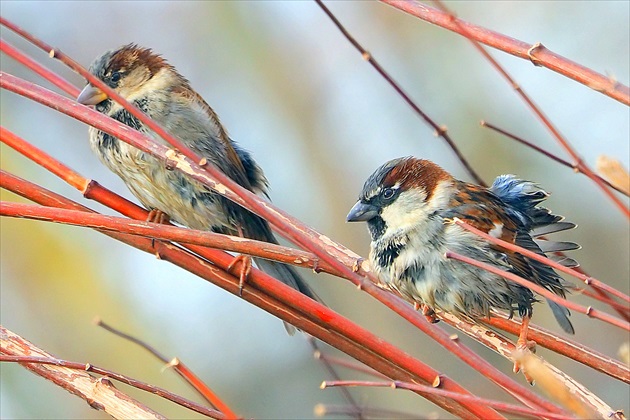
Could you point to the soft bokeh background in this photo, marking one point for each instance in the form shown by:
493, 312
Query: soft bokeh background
319, 120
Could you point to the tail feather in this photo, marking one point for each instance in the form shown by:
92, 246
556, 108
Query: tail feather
562, 316
552, 228
565, 261
555, 246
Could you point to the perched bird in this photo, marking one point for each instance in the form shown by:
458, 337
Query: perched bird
146, 80
408, 204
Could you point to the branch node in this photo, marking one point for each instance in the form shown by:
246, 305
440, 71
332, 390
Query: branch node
437, 381
530, 54
52, 53
316, 268
203, 162
366, 55
440, 131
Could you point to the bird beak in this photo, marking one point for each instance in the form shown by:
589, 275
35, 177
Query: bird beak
91, 95
362, 212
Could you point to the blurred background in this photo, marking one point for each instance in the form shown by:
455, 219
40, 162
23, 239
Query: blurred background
319, 120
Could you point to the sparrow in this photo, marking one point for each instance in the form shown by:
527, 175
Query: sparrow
148, 81
409, 204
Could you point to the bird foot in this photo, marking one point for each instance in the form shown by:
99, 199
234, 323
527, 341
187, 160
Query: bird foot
428, 313
158, 216
243, 271
523, 345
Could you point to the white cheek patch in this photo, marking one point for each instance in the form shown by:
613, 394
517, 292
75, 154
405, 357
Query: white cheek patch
406, 212
411, 210
497, 231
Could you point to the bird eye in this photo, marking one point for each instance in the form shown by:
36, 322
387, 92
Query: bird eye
388, 193
115, 77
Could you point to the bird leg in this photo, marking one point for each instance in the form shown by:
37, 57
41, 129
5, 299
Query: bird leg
523, 344
243, 272
245, 269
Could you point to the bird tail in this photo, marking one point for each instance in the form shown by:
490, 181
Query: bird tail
289, 276
257, 228
562, 316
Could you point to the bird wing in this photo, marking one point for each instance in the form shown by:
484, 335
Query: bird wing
236, 168
482, 209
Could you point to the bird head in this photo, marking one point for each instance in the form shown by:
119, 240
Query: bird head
400, 195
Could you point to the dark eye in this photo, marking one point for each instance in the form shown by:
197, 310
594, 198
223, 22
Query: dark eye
115, 77
388, 193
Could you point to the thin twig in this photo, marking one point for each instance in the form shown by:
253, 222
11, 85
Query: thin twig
331, 370
536, 53
120, 378
555, 132
182, 370
541, 258
501, 406
590, 311
439, 130
547, 153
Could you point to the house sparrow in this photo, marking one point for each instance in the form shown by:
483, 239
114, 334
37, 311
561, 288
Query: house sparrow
145, 79
408, 203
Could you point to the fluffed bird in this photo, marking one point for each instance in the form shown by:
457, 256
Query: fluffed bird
409, 203
148, 81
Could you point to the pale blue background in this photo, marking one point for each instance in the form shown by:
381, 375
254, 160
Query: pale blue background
319, 120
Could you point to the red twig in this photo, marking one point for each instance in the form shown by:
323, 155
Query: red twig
202, 388
548, 154
536, 53
162, 232
292, 228
586, 279
590, 311
439, 130
120, 378
33, 65
501, 406
555, 132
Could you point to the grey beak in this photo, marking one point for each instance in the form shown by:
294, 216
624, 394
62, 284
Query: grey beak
362, 212
91, 95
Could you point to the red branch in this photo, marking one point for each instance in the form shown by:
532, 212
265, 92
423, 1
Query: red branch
586, 279
336, 255
499, 405
590, 311
536, 53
